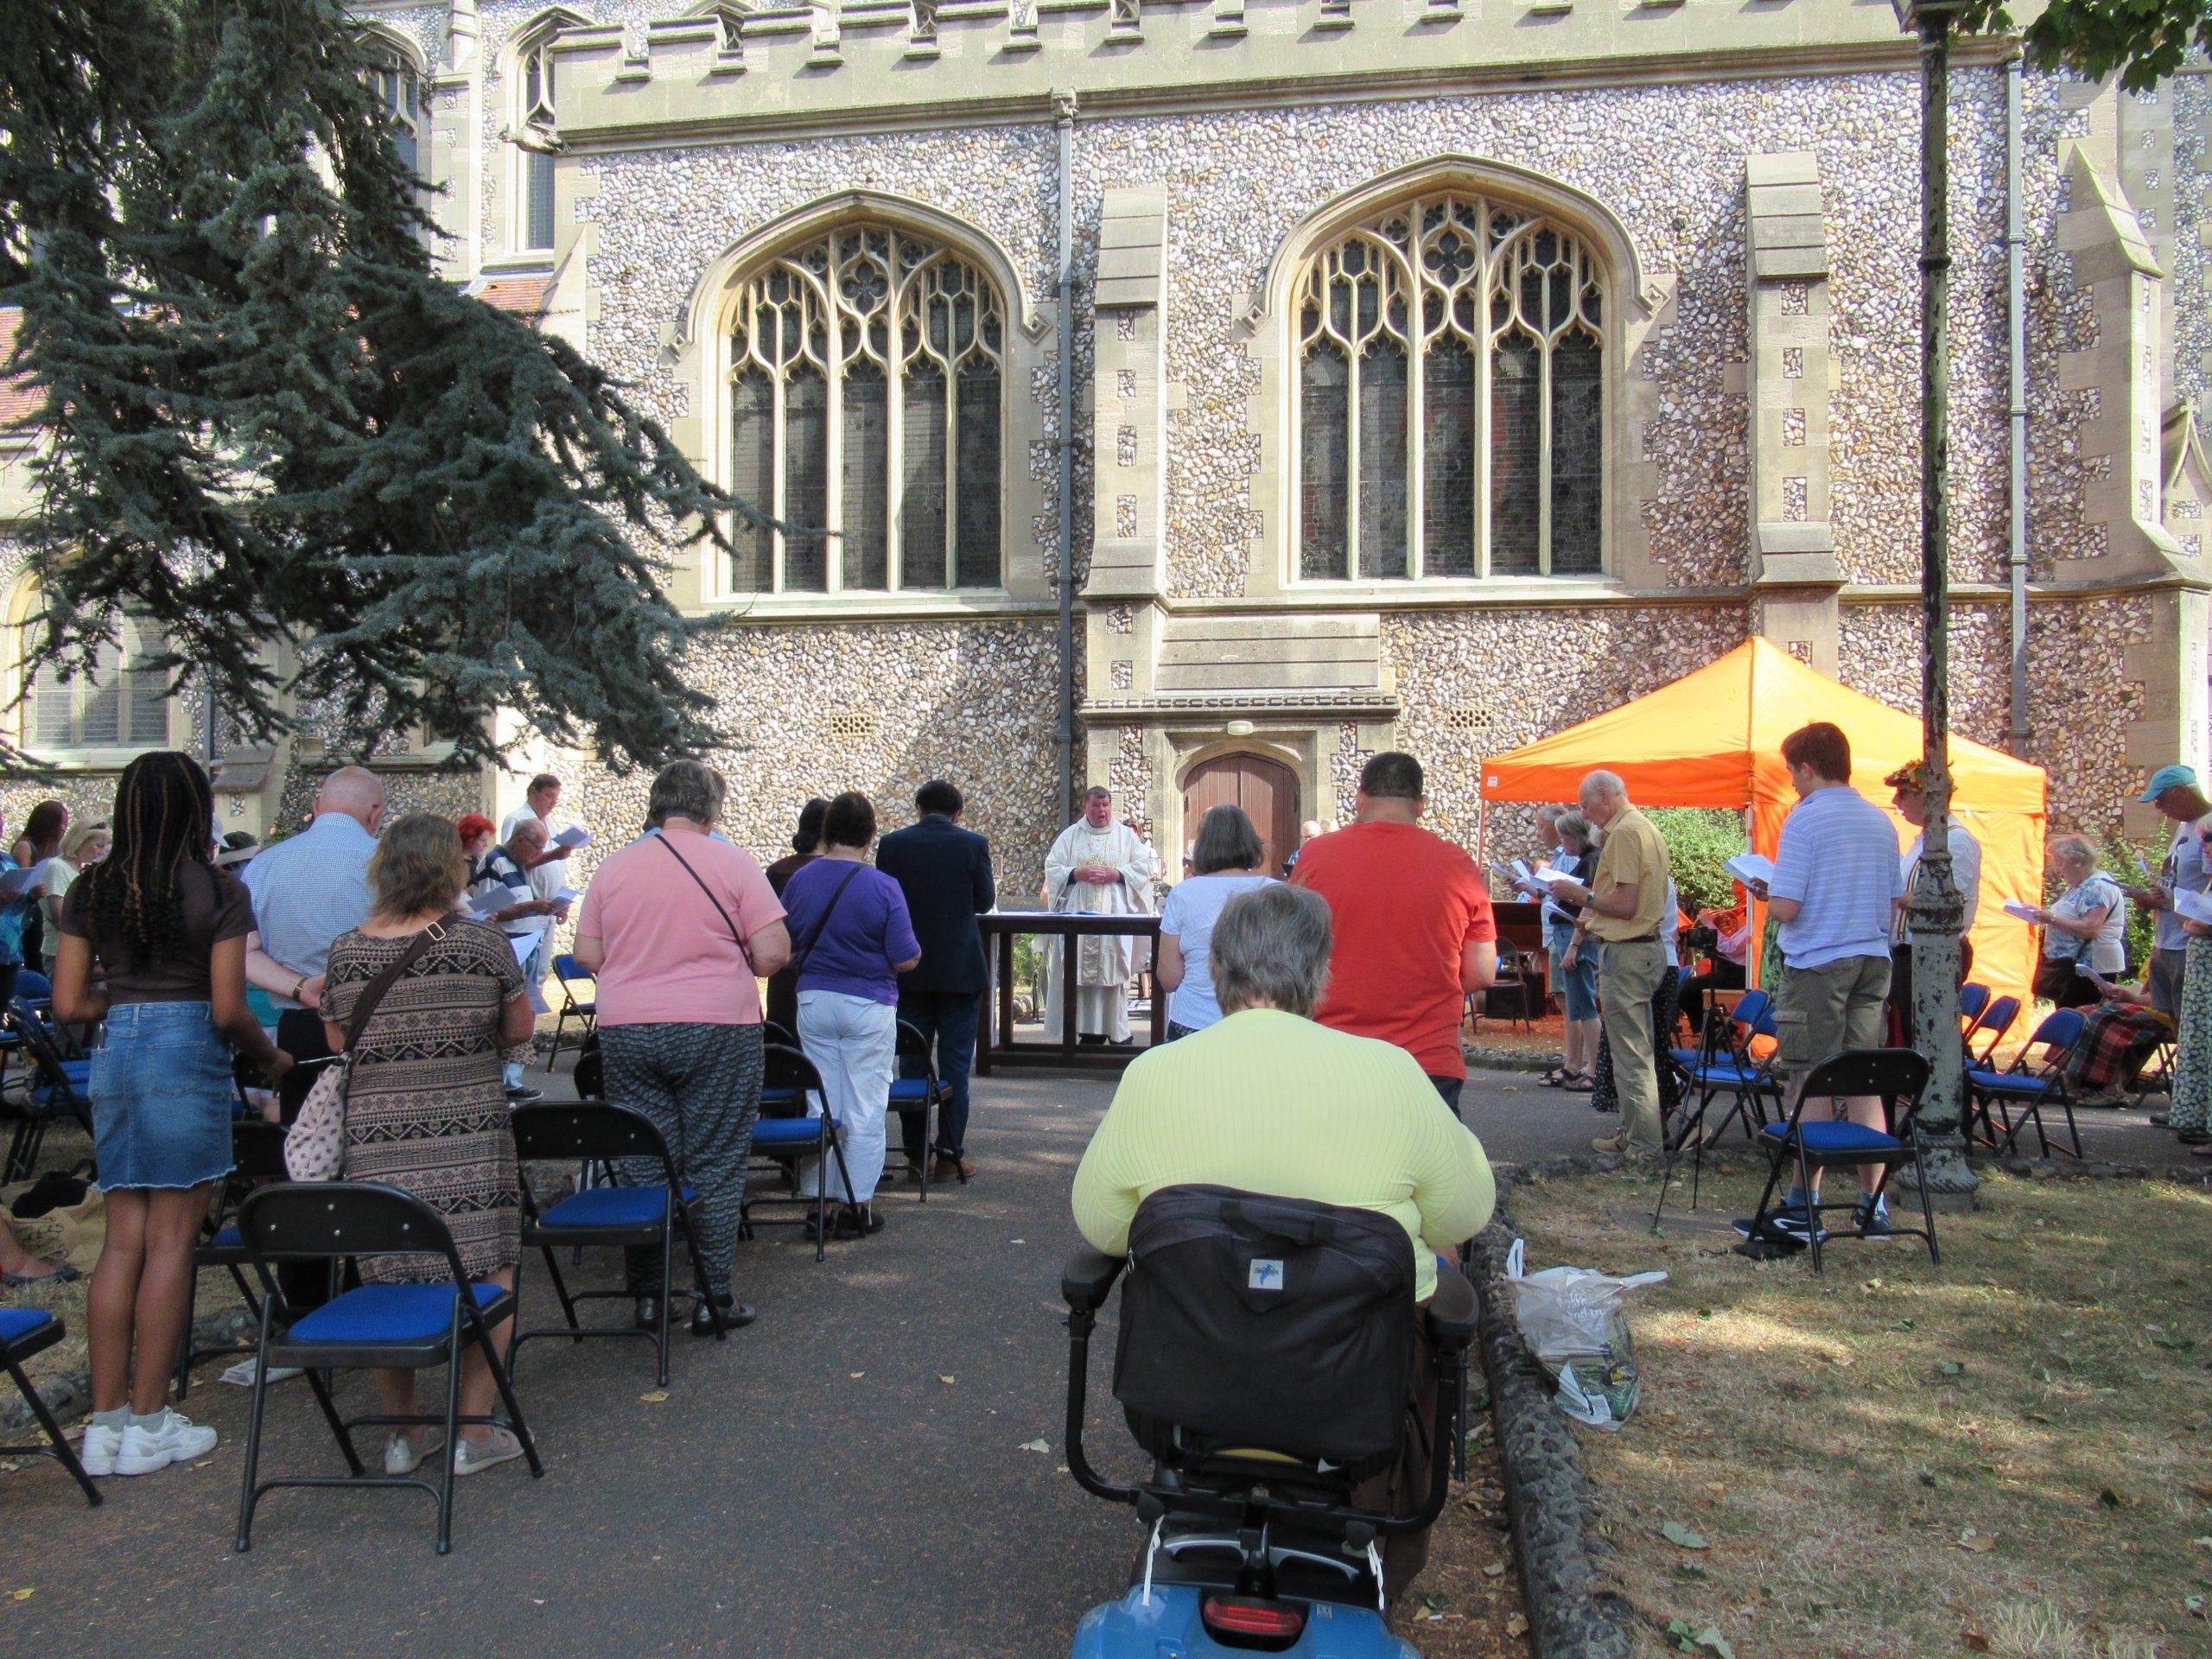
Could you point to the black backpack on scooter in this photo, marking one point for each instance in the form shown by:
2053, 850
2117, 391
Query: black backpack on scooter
1279, 1324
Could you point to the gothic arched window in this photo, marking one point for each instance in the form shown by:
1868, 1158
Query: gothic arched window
534, 122
864, 396
400, 89
1451, 397
119, 705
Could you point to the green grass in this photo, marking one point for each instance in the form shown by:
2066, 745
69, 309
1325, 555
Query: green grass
2011, 1453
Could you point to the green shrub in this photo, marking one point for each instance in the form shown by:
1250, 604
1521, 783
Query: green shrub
1701, 840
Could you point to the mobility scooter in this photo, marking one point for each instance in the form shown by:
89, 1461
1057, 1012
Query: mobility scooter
1264, 1353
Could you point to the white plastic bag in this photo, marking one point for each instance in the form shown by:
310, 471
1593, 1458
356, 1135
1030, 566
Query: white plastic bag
1573, 1321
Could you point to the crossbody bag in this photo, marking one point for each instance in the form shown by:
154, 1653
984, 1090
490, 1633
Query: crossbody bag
798, 963
315, 1147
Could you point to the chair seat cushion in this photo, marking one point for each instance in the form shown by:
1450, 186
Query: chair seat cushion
227, 1237
1838, 1137
613, 1206
787, 1131
2006, 1086
579, 1008
912, 1091
1687, 1056
378, 1313
17, 1322
1728, 1074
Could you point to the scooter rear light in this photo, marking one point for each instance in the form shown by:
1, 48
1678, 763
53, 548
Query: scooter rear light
1265, 1626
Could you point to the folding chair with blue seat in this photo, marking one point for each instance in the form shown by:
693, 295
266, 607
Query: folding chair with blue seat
567, 969
400, 1326
783, 1133
1972, 998
1991, 1025
1721, 1063
25, 1331
2029, 1086
636, 1216
256, 1157
1897, 1076
54, 1087
916, 1091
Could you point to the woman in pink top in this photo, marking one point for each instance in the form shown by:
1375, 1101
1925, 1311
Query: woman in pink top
675, 929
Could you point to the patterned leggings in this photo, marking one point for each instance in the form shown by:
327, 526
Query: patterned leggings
700, 1086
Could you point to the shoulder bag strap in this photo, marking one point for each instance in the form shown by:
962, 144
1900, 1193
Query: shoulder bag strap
374, 992
799, 957
735, 936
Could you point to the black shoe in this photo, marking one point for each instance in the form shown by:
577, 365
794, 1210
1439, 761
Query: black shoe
519, 1096
736, 1316
1091, 1039
648, 1313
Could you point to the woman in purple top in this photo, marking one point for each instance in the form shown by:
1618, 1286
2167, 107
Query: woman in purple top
851, 939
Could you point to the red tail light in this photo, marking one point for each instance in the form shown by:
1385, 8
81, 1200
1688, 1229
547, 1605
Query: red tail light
1265, 1626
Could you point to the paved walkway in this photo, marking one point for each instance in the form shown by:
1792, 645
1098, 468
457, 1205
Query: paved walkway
775, 1503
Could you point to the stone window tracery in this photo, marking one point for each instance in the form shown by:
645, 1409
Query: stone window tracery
1450, 401
866, 374
399, 90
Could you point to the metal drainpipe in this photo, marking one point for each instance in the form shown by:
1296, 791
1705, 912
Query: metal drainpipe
1065, 101
2016, 241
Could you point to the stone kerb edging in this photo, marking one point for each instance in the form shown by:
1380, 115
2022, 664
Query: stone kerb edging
1546, 1496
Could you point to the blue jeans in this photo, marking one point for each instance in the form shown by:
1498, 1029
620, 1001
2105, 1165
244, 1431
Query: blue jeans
947, 1022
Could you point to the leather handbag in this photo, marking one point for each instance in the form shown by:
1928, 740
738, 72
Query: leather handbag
315, 1147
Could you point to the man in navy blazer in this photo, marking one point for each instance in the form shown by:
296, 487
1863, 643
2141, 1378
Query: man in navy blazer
945, 873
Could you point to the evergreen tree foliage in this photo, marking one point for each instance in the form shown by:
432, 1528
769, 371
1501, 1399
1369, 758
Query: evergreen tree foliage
267, 419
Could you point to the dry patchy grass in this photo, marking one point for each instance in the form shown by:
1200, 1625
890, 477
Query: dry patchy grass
2011, 1453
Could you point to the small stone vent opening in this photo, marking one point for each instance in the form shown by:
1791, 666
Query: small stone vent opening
1469, 723
857, 726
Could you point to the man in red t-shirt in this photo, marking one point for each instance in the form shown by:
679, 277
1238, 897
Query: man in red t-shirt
1413, 928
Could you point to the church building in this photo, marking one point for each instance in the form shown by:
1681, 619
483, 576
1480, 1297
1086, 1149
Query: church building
1301, 379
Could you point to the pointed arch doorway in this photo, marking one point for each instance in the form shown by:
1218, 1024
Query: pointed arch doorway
1266, 790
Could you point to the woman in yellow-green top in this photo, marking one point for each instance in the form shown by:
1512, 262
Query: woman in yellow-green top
1265, 1101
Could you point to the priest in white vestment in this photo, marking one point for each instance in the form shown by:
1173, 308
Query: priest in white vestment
1100, 866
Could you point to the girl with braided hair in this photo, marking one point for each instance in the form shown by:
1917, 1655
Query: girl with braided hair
167, 930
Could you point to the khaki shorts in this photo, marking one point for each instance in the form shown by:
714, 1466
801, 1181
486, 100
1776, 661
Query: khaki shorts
1822, 1011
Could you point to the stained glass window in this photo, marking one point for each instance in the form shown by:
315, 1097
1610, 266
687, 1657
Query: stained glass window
870, 364
1451, 397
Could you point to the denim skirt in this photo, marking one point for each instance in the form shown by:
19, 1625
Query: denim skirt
163, 1098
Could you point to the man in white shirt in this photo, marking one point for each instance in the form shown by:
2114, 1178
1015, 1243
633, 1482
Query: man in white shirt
1909, 782
1833, 896
548, 868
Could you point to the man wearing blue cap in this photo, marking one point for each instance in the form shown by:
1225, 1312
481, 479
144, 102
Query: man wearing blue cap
2173, 790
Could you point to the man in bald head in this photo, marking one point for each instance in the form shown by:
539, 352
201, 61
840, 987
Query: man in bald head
308, 889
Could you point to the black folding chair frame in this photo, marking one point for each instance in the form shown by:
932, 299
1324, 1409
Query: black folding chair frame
1899, 1076
37, 1340
355, 1232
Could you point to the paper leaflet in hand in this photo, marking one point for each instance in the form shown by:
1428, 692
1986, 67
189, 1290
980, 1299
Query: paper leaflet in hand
523, 943
574, 836
566, 896
2195, 906
15, 883
1751, 867
2026, 913
492, 901
2092, 975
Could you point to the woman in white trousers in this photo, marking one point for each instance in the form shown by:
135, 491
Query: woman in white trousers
851, 939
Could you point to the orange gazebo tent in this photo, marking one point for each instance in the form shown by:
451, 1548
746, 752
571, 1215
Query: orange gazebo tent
1714, 739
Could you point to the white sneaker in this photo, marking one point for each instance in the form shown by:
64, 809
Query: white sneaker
473, 1455
240, 1376
404, 1455
176, 1439
97, 1453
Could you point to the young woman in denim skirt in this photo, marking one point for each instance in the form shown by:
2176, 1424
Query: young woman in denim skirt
166, 932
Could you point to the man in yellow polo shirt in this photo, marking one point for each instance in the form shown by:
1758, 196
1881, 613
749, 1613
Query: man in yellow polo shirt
1267, 1100
1625, 904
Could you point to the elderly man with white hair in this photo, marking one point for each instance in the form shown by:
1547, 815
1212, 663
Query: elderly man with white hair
1625, 904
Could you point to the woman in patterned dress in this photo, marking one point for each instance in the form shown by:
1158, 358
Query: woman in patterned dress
426, 1109
2190, 1116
